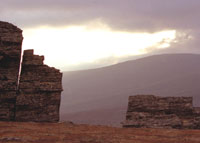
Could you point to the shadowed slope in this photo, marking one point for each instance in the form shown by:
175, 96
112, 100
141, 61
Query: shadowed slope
107, 89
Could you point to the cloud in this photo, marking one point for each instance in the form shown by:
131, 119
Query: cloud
119, 15
186, 42
131, 15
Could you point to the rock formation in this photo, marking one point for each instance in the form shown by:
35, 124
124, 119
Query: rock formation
35, 93
150, 111
10, 54
39, 90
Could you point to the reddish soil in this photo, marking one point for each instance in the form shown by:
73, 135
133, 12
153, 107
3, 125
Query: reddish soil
15, 132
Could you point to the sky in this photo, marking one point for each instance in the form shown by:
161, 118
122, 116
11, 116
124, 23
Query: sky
81, 34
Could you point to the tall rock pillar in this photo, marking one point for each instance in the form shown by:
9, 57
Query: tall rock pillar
10, 54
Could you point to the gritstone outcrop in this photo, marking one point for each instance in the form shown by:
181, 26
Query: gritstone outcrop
10, 54
149, 111
33, 94
39, 90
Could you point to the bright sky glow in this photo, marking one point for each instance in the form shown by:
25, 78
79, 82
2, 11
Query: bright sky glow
74, 45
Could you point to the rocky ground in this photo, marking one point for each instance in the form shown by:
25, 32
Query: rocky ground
18, 132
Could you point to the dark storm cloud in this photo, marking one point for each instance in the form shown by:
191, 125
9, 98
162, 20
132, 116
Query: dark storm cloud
135, 15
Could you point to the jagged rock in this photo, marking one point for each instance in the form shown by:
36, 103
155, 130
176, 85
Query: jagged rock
39, 90
150, 111
10, 54
34, 95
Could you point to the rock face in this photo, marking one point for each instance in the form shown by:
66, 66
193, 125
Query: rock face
39, 90
35, 93
10, 54
149, 111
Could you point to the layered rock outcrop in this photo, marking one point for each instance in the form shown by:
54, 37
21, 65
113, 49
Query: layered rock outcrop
10, 54
39, 90
33, 94
149, 111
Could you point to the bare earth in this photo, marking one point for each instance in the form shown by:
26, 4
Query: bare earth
15, 132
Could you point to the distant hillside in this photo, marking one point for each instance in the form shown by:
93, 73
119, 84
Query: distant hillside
103, 93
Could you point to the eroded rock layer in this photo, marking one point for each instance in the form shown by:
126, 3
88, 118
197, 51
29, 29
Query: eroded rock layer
10, 54
39, 90
150, 111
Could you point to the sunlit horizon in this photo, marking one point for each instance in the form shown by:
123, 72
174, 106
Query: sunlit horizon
75, 45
